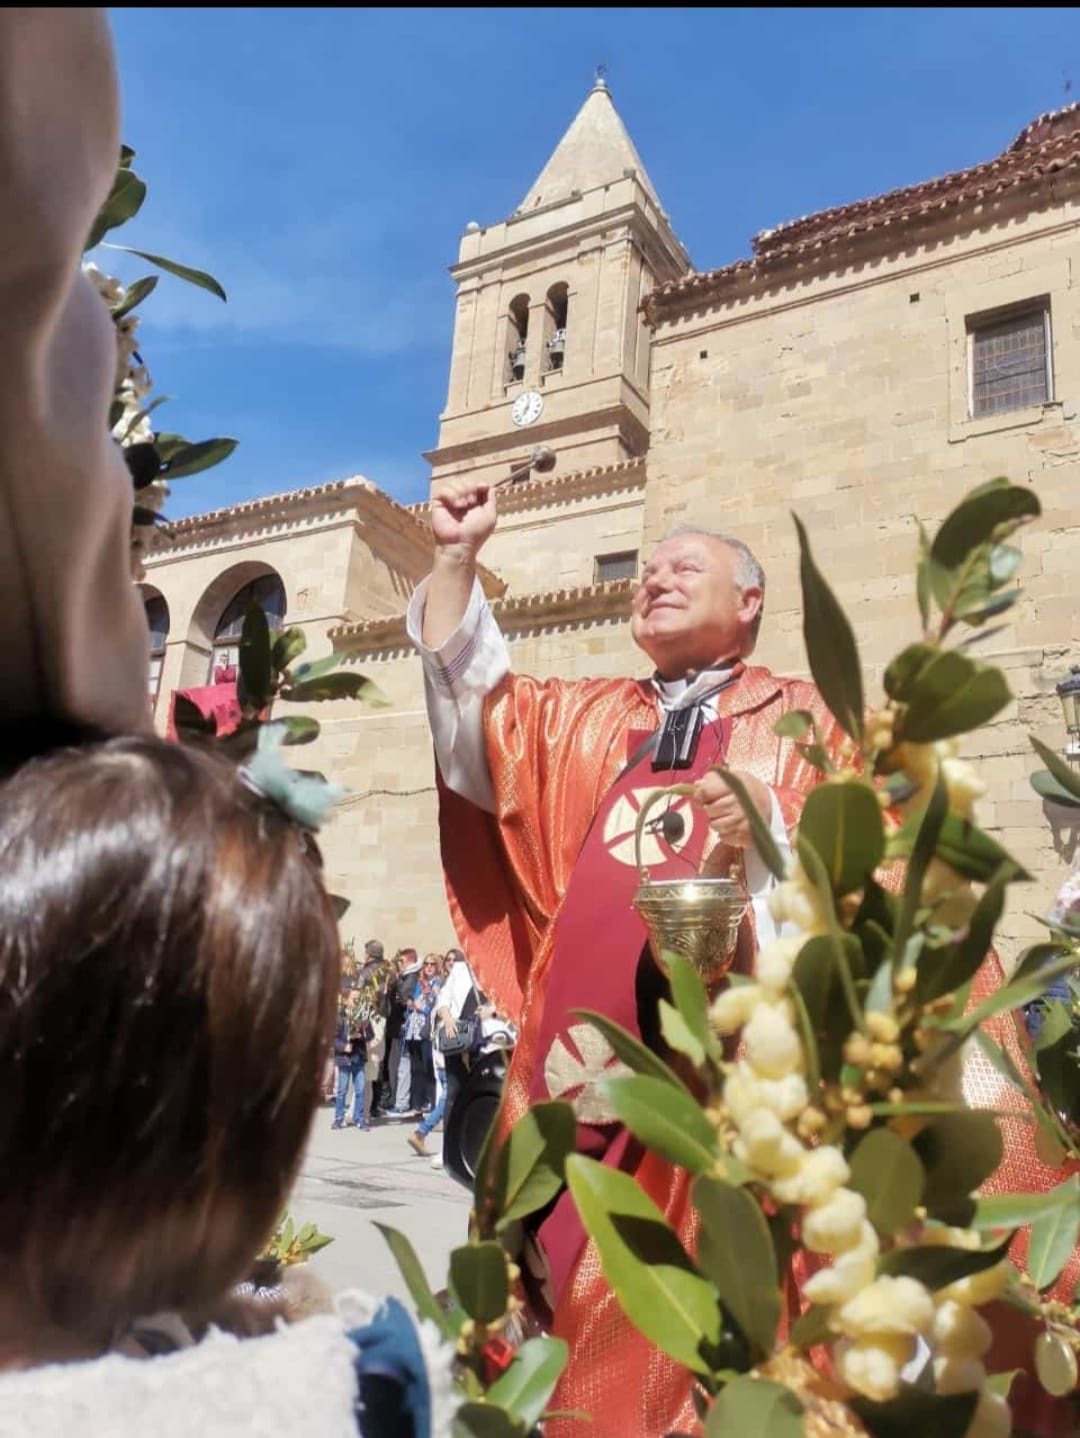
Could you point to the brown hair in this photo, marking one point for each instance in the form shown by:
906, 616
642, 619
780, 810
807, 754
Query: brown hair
169, 965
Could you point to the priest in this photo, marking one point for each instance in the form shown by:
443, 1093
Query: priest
541, 783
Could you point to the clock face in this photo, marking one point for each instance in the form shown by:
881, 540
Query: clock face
526, 408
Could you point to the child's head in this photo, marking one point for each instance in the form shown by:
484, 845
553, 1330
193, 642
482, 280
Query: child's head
168, 978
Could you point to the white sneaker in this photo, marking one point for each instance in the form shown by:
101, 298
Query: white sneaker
437, 1162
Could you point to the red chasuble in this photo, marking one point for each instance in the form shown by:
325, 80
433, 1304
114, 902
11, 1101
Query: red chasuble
560, 850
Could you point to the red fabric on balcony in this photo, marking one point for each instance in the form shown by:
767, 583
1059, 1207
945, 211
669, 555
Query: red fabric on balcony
217, 701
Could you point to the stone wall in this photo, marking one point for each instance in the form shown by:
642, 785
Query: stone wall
843, 397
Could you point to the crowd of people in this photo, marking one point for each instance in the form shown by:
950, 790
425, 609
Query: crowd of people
398, 1043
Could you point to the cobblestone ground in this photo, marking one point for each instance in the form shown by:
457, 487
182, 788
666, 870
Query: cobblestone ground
351, 1178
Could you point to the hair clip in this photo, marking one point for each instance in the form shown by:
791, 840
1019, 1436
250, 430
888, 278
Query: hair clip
305, 798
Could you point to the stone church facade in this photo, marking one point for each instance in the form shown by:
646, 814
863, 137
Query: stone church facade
864, 365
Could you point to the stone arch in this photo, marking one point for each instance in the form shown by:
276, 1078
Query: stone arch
215, 599
158, 622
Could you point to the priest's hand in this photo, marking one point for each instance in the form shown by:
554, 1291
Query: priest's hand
463, 514
725, 813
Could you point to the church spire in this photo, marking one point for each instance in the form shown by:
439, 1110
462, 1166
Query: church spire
596, 150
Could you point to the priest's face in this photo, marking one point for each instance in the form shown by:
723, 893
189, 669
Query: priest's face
689, 612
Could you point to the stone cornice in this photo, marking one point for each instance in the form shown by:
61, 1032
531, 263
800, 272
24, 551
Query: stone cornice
561, 488
584, 604
358, 495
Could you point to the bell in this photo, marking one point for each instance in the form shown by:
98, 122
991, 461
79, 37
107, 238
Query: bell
696, 917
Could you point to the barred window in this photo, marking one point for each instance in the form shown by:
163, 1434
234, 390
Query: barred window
615, 566
1010, 359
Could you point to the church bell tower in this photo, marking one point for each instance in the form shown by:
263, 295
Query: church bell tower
549, 344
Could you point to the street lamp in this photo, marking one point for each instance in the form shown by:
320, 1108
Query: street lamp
542, 460
1068, 691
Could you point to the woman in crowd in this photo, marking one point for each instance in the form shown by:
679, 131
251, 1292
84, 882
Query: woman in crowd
416, 1034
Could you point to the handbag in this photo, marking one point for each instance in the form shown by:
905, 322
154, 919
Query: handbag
469, 1032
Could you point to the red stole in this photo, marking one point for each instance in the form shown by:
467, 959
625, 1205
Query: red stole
598, 943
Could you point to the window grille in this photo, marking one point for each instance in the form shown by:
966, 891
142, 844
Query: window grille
1010, 360
615, 566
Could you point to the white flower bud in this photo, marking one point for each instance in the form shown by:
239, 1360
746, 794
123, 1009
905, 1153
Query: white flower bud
872, 1365
844, 1278
731, 1009
960, 1332
958, 1375
964, 786
765, 1144
821, 1173
888, 1305
785, 1097
837, 1224
742, 1093
773, 1048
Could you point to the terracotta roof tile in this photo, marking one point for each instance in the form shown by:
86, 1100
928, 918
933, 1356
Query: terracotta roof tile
1049, 145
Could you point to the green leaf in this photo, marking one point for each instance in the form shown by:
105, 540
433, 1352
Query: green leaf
168, 444
830, 644
812, 1327
843, 822
887, 1172
1000, 1383
412, 1272
668, 1121
340, 685
190, 720
818, 757
479, 1278
314, 669
653, 1277
1062, 771
124, 201
1047, 787
1015, 1210
916, 1413
764, 842
528, 1170
943, 971
937, 1266
127, 154
485, 1420
691, 999
193, 458
299, 729
1054, 1235
630, 1050
254, 689
816, 977
971, 852
846, 950
959, 1152
923, 851
182, 272
143, 414
903, 672
754, 1408
795, 724
922, 576
288, 645
1013, 995
134, 295
952, 694
735, 1250
678, 1034
527, 1385
974, 521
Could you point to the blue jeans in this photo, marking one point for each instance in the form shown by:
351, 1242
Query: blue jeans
435, 1116
350, 1068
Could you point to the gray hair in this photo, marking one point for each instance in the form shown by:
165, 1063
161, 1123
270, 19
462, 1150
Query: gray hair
748, 571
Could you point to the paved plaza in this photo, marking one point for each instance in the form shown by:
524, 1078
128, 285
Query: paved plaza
350, 1180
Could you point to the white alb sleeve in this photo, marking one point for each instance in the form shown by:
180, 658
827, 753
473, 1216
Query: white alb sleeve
761, 882
457, 678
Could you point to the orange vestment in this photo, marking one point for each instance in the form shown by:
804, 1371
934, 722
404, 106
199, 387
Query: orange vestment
554, 749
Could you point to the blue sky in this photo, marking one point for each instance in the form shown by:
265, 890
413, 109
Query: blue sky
323, 164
